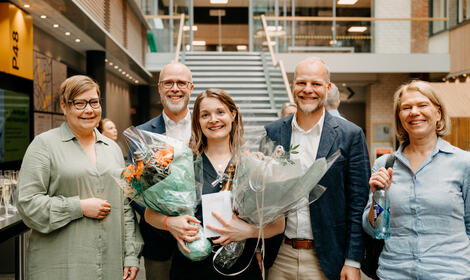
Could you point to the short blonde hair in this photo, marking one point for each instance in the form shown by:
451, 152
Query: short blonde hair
443, 125
76, 85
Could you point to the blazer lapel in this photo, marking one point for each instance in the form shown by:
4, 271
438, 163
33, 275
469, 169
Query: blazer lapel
286, 133
328, 136
159, 125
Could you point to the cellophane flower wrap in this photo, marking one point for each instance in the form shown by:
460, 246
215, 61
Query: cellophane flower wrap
166, 178
268, 185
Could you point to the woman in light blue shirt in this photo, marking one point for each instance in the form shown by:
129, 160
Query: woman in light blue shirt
429, 190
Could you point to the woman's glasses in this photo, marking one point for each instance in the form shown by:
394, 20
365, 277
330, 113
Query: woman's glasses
80, 104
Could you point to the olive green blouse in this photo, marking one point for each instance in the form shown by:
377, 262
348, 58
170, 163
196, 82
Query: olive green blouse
56, 173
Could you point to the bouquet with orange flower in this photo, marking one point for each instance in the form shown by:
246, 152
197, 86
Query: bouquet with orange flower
165, 177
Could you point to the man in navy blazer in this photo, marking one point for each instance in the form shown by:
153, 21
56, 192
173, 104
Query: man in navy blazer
175, 86
325, 239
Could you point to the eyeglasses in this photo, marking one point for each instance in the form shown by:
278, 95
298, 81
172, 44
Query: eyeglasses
180, 84
80, 104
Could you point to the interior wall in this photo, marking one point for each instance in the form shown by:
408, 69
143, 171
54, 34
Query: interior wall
118, 106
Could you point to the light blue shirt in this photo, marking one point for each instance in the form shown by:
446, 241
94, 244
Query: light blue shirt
430, 217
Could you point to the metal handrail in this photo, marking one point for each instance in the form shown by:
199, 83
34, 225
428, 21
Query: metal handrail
307, 18
275, 61
180, 38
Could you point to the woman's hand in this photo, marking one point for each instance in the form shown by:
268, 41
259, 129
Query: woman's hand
182, 230
382, 179
130, 272
95, 208
234, 230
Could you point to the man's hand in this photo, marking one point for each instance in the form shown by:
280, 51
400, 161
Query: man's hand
95, 208
130, 272
350, 273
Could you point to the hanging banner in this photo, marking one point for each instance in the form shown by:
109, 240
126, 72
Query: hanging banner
16, 30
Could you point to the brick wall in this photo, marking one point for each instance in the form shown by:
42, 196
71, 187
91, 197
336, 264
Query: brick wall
379, 108
419, 29
392, 36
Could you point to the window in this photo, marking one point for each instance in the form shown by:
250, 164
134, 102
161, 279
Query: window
438, 10
464, 10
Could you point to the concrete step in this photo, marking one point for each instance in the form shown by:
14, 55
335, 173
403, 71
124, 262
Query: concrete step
222, 57
224, 63
248, 79
228, 74
223, 68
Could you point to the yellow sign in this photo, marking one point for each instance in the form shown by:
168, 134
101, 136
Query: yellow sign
16, 29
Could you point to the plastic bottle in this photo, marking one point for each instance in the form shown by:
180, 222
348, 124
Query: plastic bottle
382, 214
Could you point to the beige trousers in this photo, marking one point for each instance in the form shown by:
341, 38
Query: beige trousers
296, 264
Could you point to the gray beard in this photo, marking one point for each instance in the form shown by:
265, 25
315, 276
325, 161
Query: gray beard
175, 108
312, 110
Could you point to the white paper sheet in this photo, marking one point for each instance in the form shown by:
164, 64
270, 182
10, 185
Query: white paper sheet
219, 203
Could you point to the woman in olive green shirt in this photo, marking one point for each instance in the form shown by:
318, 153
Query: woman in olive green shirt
82, 227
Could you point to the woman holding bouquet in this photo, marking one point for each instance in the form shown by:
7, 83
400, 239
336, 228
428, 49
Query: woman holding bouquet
217, 131
67, 194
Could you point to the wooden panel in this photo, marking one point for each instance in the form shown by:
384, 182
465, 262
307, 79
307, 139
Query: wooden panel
459, 44
95, 8
460, 133
134, 34
118, 106
456, 97
232, 34
117, 21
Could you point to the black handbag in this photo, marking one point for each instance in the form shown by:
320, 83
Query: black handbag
373, 247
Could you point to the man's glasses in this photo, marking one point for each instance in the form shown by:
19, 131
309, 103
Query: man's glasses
179, 84
80, 104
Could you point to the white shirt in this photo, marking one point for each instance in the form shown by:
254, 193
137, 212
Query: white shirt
180, 130
298, 223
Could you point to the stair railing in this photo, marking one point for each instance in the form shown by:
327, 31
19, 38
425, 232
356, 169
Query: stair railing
180, 38
277, 63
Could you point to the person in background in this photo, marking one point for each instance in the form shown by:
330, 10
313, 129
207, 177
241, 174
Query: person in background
323, 240
82, 226
429, 190
175, 86
108, 129
217, 133
332, 101
288, 109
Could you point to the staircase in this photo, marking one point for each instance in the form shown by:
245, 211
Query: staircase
250, 79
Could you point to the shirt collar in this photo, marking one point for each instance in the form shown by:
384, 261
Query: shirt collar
170, 122
441, 146
67, 134
318, 127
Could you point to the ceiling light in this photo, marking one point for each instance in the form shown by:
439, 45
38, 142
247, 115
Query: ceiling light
116, 67
347, 2
105, 60
77, 40
124, 72
67, 33
219, 1
357, 29
199, 43
136, 81
27, 6
265, 43
186, 28
110, 64
43, 16
241, 48
55, 25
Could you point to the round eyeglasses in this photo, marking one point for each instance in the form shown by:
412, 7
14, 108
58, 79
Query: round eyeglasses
80, 104
180, 84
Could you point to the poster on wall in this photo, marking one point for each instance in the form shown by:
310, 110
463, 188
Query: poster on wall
42, 83
59, 74
14, 125
42, 123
